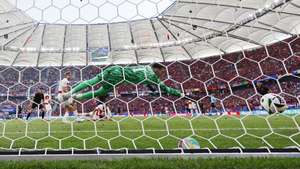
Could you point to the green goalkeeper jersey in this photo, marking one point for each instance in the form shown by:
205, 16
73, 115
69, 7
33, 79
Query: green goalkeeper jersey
115, 75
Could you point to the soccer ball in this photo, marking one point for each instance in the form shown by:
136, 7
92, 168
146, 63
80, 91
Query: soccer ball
273, 103
188, 143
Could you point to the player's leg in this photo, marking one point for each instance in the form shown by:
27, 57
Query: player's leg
33, 106
78, 117
28, 114
42, 114
108, 113
42, 110
72, 110
68, 111
94, 116
48, 113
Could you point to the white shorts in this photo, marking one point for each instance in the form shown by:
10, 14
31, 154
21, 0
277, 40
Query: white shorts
48, 107
63, 102
60, 97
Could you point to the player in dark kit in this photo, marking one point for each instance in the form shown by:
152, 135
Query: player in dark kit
262, 89
37, 103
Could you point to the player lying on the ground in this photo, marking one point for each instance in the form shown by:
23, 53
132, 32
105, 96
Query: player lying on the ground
101, 112
114, 75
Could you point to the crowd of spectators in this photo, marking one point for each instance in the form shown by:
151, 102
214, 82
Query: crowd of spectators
272, 67
231, 78
290, 85
280, 50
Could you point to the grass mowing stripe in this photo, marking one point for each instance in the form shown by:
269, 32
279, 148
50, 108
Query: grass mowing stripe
154, 130
136, 132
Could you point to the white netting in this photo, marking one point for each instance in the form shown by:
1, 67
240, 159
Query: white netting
90, 11
245, 132
144, 118
195, 29
144, 115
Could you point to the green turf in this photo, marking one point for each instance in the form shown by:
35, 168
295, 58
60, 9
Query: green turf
153, 132
214, 163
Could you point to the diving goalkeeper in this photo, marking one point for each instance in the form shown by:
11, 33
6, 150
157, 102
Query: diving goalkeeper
115, 75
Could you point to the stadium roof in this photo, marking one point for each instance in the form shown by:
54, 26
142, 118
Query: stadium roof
188, 29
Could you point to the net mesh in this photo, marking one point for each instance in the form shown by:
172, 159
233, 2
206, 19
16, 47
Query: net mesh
91, 11
144, 118
153, 132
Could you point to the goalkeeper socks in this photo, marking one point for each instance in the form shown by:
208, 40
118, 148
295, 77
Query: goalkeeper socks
28, 115
43, 114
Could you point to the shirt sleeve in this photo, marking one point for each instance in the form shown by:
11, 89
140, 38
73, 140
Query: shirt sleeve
169, 90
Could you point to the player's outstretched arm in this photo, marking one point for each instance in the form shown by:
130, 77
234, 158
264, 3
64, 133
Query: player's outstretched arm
80, 86
87, 83
89, 95
153, 74
169, 90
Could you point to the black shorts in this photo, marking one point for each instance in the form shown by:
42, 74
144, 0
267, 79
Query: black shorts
35, 105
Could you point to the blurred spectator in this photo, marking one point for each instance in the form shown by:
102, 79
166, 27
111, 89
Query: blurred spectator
212, 75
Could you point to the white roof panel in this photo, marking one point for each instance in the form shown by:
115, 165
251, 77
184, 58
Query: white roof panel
50, 59
7, 57
149, 55
71, 59
54, 36
188, 29
98, 36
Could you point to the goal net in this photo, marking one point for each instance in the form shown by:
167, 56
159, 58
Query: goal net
218, 102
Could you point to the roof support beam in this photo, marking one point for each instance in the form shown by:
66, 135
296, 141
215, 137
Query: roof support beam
11, 11
12, 26
172, 34
234, 6
275, 27
162, 54
214, 30
24, 44
64, 45
28, 29
295, 5
42, 44
109, 42
86, 44
229, 23
214, 46
132, 40
17, 30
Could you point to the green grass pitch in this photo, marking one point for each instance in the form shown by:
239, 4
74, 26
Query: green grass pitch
213, 163
276, 131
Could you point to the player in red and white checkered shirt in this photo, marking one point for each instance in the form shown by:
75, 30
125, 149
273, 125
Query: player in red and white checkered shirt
63, 88
47, 105
101, 112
